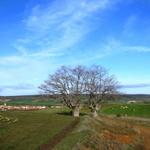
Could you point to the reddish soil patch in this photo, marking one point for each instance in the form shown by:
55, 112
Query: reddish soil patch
57, 138
121, 138
139, 125
145, 132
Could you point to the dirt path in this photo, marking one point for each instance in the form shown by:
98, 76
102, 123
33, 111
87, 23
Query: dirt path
58, 137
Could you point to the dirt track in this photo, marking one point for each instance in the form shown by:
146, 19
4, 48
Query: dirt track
57, 138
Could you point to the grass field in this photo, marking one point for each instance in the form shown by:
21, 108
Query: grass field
137, 110
28, 130
32, 102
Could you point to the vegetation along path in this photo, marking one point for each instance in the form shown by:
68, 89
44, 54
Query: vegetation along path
116, 133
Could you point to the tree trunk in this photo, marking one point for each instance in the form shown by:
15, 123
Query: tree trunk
94, 110
95, 113
76, 111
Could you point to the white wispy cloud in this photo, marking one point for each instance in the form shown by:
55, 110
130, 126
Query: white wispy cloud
136, 48
59, 26
22, 86
113, 45
139, 85
20, 89
9, 60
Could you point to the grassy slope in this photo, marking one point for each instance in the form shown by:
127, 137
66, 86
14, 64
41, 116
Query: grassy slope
112, 133
32, 129
138, 110
105, 133
84, 129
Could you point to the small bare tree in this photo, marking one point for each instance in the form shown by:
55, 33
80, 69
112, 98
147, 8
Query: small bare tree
69, 83
100, 85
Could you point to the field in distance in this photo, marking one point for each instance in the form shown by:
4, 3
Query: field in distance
50, 100
133, 110
36, 100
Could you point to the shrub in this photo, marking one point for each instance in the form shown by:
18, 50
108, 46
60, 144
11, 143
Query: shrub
118, 115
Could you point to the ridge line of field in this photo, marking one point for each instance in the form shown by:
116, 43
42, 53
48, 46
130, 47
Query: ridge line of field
128, 117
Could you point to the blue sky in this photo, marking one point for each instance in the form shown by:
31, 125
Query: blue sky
38, 36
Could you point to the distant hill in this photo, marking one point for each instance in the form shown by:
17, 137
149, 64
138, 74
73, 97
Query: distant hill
30, 100
135, 97
52, 100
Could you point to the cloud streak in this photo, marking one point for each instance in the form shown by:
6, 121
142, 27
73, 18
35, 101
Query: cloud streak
140, 85
113, 45
19, 89
59, 26
22, 86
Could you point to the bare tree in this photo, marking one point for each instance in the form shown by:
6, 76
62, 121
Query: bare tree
73, 84
100, 86
69, 83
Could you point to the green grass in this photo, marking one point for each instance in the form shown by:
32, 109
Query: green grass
32, 102
137, 110
21, 130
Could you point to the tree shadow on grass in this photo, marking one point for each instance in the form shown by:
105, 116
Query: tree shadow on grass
65, 113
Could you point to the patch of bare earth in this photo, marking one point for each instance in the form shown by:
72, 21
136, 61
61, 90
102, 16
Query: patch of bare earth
145, 133
121, 138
